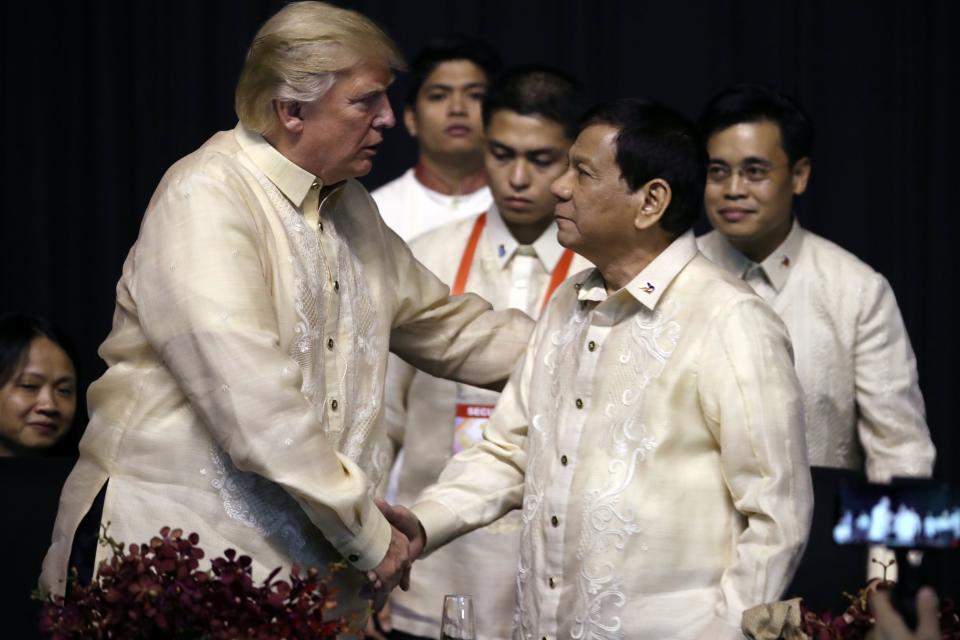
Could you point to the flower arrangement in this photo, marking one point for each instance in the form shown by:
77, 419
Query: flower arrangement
857, 620
157, 590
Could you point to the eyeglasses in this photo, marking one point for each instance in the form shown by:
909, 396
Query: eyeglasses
752, 172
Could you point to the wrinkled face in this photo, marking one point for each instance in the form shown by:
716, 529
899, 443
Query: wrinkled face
342, 129
447, 117
524, 155
596, 209
38, 402
751, 185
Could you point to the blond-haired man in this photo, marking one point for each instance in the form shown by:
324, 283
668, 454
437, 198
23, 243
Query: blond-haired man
253, 320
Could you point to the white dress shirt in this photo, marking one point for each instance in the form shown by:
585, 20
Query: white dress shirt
653, 437
420, 419
243, 398
410, 208
853, 355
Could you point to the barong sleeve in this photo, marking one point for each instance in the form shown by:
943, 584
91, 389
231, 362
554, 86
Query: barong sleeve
485, 481
752, 402
454, 337
891, 420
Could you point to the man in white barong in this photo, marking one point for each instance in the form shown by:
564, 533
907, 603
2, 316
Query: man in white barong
861, 393
862, 400
244, 394
653, 433
447, 81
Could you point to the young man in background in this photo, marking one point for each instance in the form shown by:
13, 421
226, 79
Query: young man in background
449, 78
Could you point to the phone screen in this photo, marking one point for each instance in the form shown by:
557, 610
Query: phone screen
907, 513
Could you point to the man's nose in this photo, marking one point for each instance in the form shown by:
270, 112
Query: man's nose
520, 175
561, 186
385, 119
735, 186
457, 104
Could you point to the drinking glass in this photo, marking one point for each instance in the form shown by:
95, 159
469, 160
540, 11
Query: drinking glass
457, 623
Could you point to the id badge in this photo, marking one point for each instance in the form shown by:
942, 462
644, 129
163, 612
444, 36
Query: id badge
468, 424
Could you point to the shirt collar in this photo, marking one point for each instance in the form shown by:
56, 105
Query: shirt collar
647, 286
777, 265
293, 181
782, 261
546, 247
433, 182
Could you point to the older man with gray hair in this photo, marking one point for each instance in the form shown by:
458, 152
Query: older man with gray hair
243, 398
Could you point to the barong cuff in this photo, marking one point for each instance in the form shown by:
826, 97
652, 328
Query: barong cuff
439, 523
369, 547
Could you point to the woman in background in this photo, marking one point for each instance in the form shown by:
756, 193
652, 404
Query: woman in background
38, 385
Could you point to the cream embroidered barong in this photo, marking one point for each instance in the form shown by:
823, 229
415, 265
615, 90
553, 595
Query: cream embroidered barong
243, 398
653, 438
862, 395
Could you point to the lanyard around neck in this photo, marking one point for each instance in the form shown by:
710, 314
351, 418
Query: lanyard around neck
560, 271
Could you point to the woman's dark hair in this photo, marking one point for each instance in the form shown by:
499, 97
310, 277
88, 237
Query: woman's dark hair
17, 331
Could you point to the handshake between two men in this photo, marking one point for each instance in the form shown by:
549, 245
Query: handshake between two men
407, 539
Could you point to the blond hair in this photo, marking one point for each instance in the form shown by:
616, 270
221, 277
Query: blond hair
297, 53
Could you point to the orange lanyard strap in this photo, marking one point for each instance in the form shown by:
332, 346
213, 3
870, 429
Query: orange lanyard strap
559, 275
464, 271
459, 285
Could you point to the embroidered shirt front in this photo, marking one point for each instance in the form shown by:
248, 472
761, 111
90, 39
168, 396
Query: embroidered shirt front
243, 398
655, 437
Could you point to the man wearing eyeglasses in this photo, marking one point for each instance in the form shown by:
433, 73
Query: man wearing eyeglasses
862, 400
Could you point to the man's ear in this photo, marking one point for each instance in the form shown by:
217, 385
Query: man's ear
289, 115
800, 175
410, 120
652, 200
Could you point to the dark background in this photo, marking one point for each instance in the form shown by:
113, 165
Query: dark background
99, 98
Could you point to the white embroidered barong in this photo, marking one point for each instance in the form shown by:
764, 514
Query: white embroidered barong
654, 440
244, 393
862, 395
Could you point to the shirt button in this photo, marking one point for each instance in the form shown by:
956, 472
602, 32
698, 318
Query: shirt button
555, 521
576, 287
336, 285
353, 557
320, 226
315, 185
334, 404
330, 344
592, 346
563, 460
552, 583
579, 403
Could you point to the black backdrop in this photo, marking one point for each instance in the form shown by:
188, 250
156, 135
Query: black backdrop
100, 97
